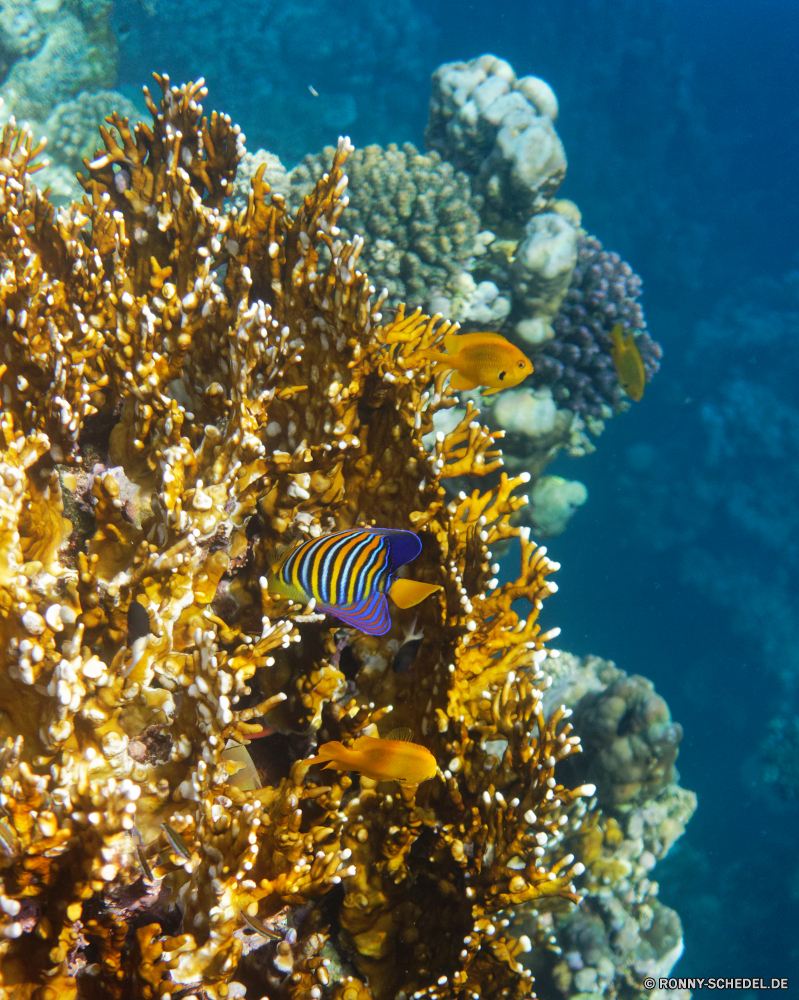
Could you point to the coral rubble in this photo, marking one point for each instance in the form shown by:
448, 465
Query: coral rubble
186, 387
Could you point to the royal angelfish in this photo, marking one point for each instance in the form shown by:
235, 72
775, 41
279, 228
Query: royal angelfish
349, 573
486, 359
628, 362
397, 758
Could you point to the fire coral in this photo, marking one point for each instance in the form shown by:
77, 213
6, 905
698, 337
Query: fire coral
184, 389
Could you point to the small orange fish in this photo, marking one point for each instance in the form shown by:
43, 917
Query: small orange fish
486, 359
394, 759
628, 362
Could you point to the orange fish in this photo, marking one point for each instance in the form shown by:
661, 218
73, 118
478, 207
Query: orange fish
394, 759
486, 359
628, 362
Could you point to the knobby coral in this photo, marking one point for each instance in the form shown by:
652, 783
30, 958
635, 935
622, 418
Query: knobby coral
416, 212
576, 363
194, 386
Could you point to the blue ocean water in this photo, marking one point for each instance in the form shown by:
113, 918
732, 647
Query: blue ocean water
681, 124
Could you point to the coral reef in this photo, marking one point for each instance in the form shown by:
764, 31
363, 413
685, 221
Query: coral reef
184, 389
425, 221
499, 130
50, 50
73, 126
629, 740
193, 387
419, 220
576, 363
778, 758
564, 291
621, 932
553, 501
542, 268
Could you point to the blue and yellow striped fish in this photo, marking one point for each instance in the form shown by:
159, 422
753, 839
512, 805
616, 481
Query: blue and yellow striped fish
349, 573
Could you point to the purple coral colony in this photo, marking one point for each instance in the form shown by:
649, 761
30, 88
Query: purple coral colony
576, 364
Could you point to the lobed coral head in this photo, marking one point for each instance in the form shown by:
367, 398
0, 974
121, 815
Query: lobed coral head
576, 363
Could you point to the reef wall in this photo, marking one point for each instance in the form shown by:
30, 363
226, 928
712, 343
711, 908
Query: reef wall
185, 388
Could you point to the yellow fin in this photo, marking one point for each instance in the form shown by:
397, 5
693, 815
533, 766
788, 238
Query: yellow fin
429, 355
401, 733
459, 382
490, 392
453, 342
407, 593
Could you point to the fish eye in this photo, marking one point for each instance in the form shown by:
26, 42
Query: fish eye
521, 364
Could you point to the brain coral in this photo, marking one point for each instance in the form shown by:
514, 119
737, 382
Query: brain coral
416, 213
194, 387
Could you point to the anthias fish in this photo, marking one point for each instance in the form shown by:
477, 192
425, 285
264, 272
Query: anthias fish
394, 759
349, 573
628, 362
486, 359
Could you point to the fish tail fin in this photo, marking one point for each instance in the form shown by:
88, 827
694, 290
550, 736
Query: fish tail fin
443, 361
408, 593
335, 753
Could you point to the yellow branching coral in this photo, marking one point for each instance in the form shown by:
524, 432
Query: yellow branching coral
194, 387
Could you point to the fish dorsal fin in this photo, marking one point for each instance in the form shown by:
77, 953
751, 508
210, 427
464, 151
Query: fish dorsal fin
404, 546
401, 733
407, 593
370, 616
453, 342
365, 743
276, 555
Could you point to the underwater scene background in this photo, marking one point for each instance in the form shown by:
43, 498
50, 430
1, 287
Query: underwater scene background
673, 518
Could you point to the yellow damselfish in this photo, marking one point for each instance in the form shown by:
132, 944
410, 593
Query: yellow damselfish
394, 759
628, 362
486, 359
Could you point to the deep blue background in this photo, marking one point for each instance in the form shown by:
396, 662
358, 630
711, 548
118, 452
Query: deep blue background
681, 123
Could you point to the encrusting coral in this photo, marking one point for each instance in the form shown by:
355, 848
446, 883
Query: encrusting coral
195, 387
